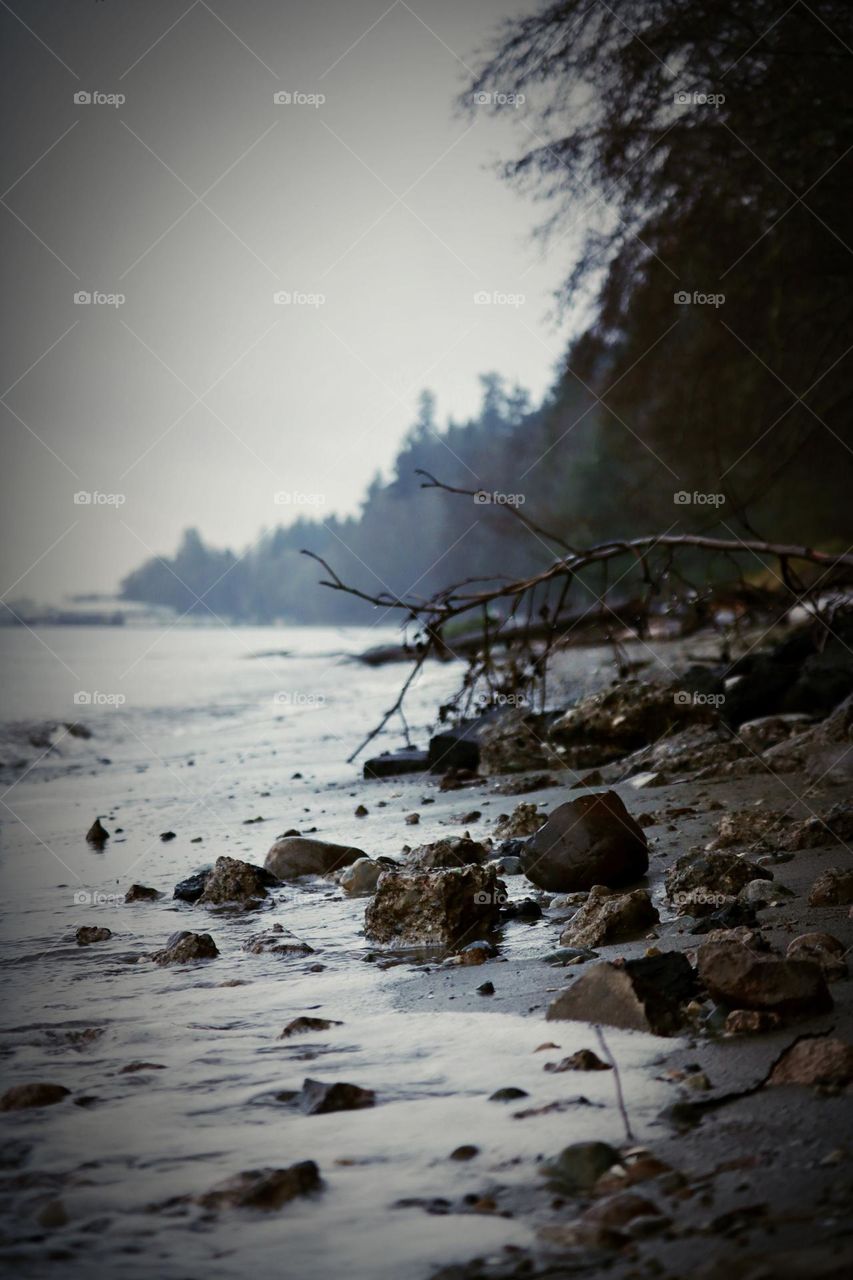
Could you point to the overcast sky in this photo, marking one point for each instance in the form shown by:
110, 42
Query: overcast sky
198, 199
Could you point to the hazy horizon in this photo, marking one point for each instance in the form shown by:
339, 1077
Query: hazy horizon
199, 198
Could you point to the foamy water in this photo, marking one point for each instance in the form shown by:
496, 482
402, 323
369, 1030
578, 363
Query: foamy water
200, 746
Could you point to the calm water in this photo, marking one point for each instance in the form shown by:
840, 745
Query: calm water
212, 727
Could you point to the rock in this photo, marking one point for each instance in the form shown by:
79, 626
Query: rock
824, 950
578, 1167
767, 731
835, 827
392, 763
736, 976
516, 742
508, 1094
833, 888
277, 941
526, 909
466, 1152
486, 989
619, 1209
809, 671
751, 1022
640, 995
610, 917
819, 1061
521, 786
822, 751
761, 893
475, 953
166, 836
509, 866
458, 746
434, 907
524, 820
591, 840
97, 835
699, 884
89, 933
583, 1060
299, 1026
266, 1189
359, 880
22, 1096
296, 856
318, 1098
451, 851
52, 1215
184, 947
630, 715
191, 889
234, 881
142, 893
755, 828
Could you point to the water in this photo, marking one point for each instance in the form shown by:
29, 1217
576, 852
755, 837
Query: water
208, 737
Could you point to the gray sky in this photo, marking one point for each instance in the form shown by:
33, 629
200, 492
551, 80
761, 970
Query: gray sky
198, 199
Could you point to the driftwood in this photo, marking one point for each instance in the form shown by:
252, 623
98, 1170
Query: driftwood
511, 653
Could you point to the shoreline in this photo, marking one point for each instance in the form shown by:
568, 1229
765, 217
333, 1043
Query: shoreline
222, 1061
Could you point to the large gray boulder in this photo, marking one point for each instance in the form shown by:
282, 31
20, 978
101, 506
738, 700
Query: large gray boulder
296, 856
592, 840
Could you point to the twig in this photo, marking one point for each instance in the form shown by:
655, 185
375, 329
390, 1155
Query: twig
617, 1081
